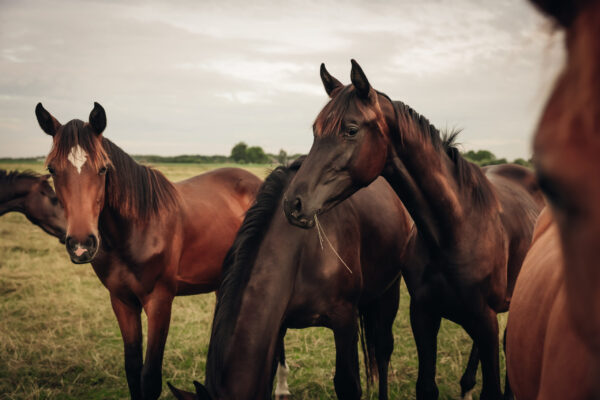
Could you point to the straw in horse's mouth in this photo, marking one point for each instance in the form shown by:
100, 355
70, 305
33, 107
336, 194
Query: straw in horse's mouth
322, 235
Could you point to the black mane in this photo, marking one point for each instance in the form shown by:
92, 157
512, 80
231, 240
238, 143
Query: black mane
9, 178
238, 264
467, 174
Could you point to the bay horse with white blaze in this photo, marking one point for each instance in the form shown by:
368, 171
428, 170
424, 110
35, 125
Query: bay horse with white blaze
474, 227
277, 276
31, 194
553, 331
148, 239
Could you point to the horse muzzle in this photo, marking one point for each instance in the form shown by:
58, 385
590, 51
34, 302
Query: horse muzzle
82, 251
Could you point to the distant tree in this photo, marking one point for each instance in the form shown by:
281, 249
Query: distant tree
282, 157
256, 155
522, 162
239, 152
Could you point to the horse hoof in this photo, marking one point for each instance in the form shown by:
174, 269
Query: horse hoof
468, 395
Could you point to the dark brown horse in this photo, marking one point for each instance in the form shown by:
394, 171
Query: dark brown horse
32, 195
474, 227
557, 310
148, 239
277, 276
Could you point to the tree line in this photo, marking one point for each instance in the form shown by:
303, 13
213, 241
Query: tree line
241, 153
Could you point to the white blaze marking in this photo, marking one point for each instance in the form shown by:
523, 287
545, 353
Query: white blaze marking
282, 388
77, 157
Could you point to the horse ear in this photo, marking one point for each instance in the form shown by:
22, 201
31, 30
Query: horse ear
359, 80
181, 394
47, 122
98, 119
201, 392
329, 81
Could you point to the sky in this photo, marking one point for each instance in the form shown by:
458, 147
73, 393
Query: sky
196, 77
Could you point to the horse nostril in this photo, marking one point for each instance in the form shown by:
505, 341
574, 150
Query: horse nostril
69, 242
297, 205
91, 242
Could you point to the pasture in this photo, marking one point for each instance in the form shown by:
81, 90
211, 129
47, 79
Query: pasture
59, 338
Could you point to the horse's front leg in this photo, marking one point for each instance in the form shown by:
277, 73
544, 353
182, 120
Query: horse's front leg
425, 326
347, 379
282, 390
158, 310
483, 329
128, 316
468, 380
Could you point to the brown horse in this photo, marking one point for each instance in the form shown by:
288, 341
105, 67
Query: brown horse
545, 355
474, 227
148, 239
32, 195
564, 333
277, 276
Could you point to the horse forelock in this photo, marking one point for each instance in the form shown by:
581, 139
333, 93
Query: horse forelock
77, 137
330, 119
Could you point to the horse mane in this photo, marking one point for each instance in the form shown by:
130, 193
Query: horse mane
238, 264
135, 191
467, 175
7, 180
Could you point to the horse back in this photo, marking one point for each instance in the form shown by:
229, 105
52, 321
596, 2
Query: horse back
213, 207
520, 201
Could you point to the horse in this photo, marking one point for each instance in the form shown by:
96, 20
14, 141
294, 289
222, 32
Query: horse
31, 194
277, 276
564, 329
474, 226
147, 239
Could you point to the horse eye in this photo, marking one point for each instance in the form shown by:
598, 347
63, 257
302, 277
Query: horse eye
51, 170
351, 131
102, 171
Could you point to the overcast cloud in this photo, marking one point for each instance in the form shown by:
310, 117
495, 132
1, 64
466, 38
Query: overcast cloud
196, 77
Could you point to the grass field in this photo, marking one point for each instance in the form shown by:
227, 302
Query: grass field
59, 338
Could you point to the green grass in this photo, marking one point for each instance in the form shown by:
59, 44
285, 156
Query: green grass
59, 338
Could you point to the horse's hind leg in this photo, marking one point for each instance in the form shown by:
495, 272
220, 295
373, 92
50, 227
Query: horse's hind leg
467, 382
425, 326
158, 310
282, 391
128, 316
347, 377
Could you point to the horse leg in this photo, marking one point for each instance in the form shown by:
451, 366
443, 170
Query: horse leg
467, 382
158, 311
130, 325
484, 331
347, 378
425, 326
508, 394
282, 391
384, 345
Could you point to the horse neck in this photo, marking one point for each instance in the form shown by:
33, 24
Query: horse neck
244, 370
427, 181
12, 194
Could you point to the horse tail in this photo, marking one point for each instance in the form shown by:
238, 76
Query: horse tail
368, 336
